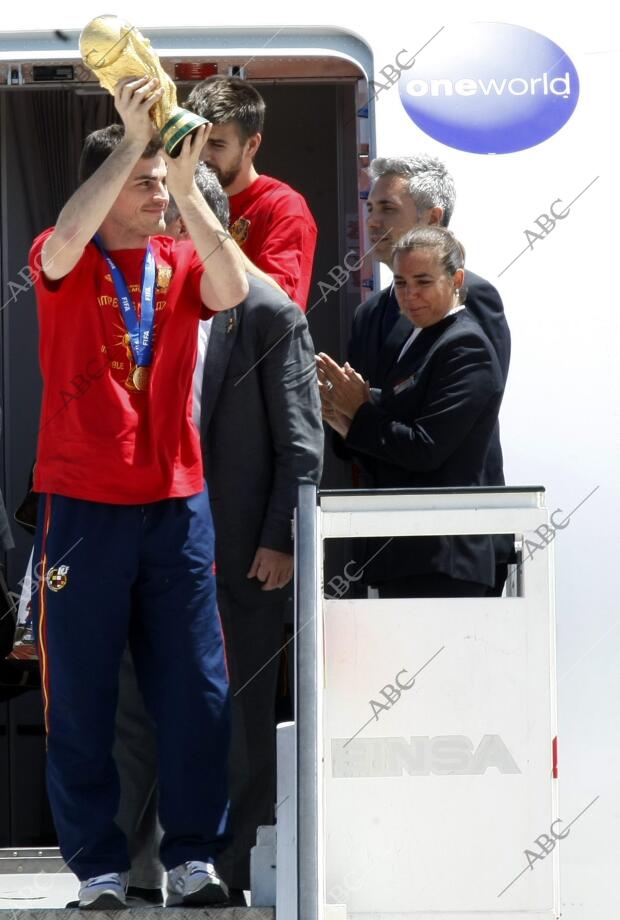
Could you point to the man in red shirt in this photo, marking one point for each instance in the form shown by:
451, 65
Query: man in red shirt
124, 540
270, 221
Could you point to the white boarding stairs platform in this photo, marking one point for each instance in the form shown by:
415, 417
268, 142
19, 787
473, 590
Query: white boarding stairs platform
419, 780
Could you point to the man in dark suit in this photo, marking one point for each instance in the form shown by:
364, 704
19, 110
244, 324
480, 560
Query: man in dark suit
407, 192
262, 436
259, 414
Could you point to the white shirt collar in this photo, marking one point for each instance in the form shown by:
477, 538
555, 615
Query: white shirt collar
418, 329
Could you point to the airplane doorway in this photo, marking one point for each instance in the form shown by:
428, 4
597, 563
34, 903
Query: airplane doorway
311, 141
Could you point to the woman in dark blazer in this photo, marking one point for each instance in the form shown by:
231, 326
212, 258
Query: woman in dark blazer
430, 425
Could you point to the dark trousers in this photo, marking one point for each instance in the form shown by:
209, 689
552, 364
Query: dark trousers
501, 574
253, 626
434, 585
253, 623
109, 574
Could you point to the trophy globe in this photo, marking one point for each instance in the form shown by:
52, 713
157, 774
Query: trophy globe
113, 49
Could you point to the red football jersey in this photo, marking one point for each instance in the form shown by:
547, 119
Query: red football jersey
273, 225
100, 438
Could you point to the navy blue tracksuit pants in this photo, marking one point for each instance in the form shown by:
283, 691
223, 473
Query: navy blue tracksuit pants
106, 574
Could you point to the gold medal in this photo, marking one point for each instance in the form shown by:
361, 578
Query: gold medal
141, 377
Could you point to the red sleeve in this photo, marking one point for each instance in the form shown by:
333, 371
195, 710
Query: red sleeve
187, 251
42, 282
287, 252
34, 261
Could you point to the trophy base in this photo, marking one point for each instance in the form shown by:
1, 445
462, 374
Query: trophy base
179, 125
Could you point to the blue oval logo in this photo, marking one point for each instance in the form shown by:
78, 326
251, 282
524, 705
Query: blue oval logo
490, 87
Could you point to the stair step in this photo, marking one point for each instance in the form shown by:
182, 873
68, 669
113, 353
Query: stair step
149, 913
24, 860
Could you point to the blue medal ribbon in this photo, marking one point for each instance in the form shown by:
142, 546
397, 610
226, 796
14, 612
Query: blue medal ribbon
140, 330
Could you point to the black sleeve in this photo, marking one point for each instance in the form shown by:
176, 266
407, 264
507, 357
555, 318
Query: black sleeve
291, 393
461, 385
355, 359
485, 304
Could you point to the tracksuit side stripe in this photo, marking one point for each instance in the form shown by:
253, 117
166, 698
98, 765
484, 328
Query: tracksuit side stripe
42, 637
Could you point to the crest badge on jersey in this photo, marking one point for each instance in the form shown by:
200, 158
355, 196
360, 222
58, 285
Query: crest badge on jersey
163, 277
57, 577
240, 230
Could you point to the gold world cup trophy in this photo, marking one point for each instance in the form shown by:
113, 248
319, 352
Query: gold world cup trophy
114, 49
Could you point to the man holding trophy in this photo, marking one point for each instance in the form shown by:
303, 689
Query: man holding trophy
124, 540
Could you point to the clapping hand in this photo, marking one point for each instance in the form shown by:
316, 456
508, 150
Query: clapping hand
342, 388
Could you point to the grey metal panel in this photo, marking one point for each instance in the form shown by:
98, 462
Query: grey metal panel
306, 714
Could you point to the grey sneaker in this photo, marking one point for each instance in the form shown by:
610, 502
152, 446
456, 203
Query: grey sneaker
197, 883
103, 892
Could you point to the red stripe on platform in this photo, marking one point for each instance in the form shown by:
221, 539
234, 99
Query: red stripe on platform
555, 757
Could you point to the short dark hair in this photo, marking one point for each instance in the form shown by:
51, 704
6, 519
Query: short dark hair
212, 192
222, 99
99, 145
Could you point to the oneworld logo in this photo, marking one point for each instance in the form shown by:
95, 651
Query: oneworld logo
516, 86
490, 87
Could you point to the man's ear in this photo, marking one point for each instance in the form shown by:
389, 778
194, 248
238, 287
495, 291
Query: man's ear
433, 217
252, 144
